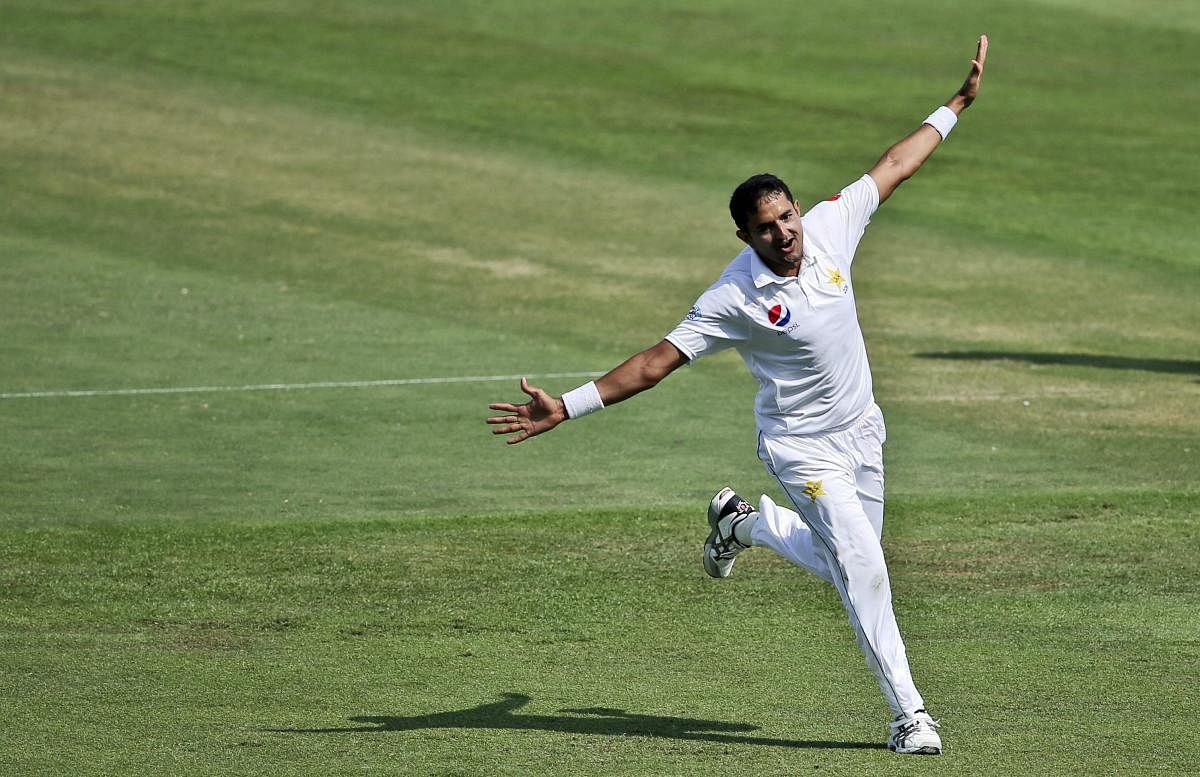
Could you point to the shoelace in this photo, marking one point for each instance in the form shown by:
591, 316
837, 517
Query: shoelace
914, 725
722, 550
728, 547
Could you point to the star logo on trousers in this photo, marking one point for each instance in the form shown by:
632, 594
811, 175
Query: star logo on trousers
814, 489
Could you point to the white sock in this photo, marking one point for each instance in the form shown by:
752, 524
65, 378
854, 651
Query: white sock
744, 528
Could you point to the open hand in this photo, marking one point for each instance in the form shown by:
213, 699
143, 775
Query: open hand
970, 87
540, 414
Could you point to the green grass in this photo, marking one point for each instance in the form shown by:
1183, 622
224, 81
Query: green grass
267, 192
326, 646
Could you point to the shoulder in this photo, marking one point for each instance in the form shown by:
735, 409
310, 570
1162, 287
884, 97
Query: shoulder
738, 270
730, 289
738, 275
860, 197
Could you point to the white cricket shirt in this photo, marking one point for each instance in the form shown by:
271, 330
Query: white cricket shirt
799, 336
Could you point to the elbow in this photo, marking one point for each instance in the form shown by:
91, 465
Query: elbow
653, 373
660, 362
899, 168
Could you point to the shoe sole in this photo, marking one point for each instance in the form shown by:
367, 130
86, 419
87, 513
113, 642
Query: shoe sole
710, 565
927, 750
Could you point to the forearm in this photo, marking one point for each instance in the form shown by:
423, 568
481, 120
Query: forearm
905, 158
633, 376
639, 372
911, 152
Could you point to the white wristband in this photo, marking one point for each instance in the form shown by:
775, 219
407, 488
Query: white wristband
942, 120
583, 400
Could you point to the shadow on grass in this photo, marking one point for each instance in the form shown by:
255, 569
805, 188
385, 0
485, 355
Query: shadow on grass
591, 720
1176, 366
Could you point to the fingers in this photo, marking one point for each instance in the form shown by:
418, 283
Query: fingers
970, 87
511, 428
507, 407
518, 432
980, 54
511, 424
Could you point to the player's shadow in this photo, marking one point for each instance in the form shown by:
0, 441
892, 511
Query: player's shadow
1175, 366
601, 721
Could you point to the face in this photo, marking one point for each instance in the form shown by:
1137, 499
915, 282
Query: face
774, 233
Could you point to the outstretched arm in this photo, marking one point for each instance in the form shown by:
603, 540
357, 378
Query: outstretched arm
543, 412
900, 161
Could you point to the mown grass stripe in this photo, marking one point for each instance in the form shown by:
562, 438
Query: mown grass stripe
289, 386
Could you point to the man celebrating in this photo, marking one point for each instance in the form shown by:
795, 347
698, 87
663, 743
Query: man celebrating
786, 303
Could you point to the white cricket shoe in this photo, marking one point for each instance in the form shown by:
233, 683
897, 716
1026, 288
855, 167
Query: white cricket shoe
915, 735
725, 511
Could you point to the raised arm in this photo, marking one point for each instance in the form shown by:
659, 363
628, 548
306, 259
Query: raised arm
543, 412
900, 161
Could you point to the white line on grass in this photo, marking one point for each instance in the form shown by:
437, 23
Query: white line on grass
289, 386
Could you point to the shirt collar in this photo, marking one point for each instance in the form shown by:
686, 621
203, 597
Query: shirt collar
764, 276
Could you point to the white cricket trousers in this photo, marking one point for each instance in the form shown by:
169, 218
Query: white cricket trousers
835, 481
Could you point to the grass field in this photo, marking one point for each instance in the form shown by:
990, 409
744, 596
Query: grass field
202, 575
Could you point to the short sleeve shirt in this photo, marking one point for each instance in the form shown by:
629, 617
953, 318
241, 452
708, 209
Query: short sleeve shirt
799, 336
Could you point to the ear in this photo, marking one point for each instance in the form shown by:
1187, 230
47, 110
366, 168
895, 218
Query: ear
743, 236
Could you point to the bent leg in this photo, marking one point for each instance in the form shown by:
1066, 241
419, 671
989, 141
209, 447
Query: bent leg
784, 532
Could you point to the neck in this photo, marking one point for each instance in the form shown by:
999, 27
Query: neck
783, 269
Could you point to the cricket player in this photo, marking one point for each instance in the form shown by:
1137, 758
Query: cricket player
786, 303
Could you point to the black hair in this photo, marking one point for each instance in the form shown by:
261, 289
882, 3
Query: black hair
750, 192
